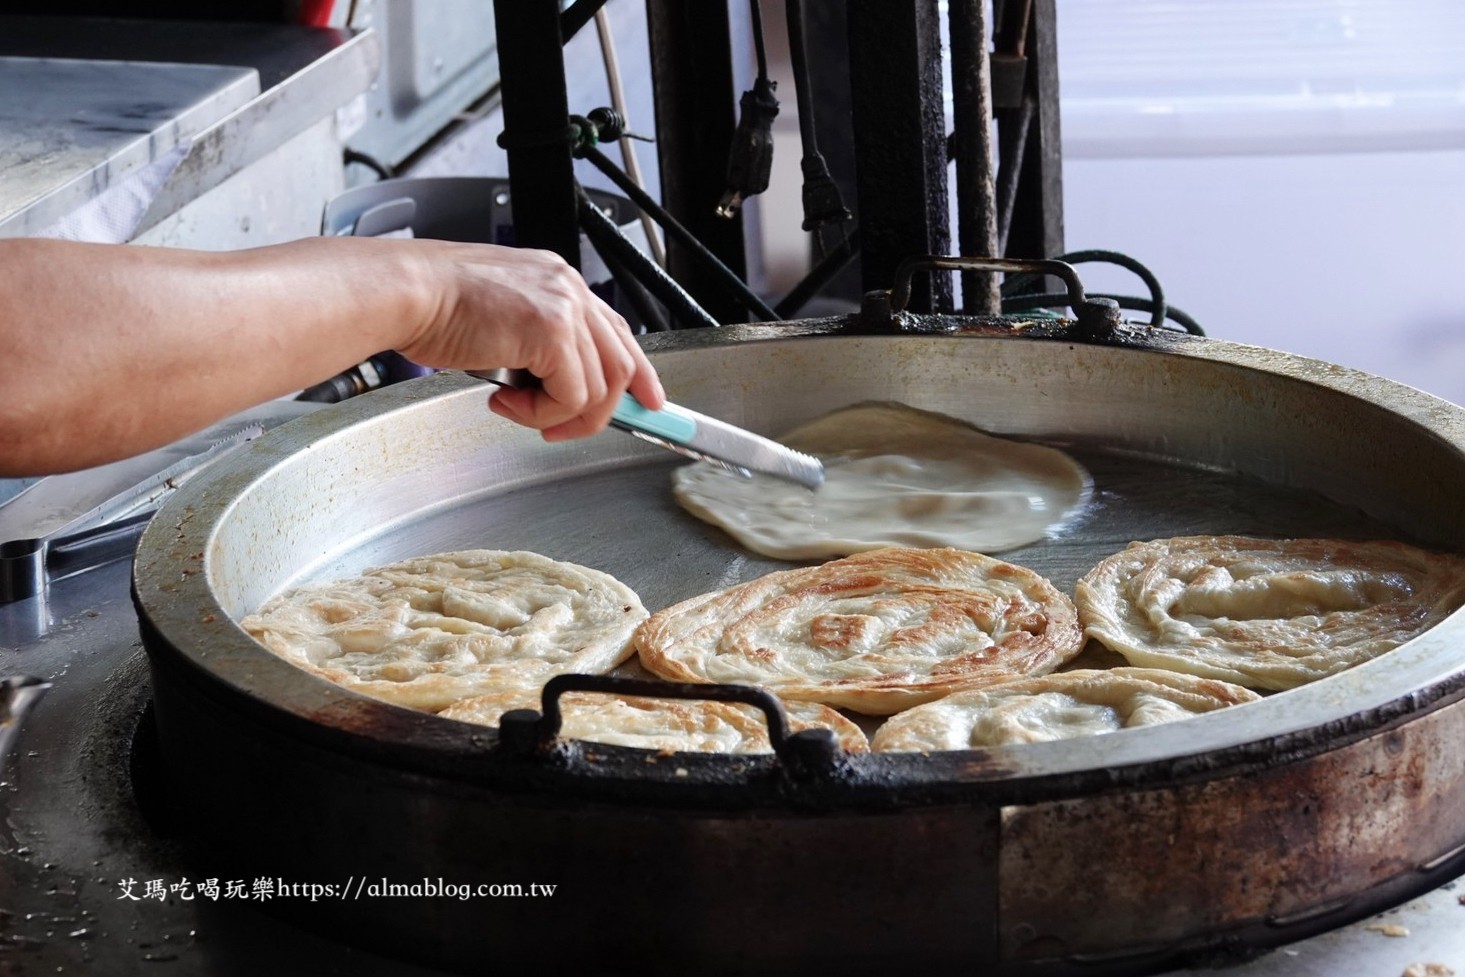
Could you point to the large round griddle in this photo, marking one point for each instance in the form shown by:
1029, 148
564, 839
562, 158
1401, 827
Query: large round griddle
1229, 832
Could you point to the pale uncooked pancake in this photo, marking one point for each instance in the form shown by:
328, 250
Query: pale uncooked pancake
876, 632
432, 630
681, 725
1060, 706
1265, 613
893, 476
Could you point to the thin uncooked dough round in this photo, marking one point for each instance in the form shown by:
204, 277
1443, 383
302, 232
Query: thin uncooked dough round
680, 725
893, 476
876, 632
1265, 613
432, 630
1064, 705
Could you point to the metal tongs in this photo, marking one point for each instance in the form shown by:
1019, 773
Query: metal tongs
695, 435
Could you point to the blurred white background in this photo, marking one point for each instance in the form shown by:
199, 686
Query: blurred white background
1293, 171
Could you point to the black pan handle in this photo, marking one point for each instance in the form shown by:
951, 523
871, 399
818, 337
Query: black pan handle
525, 731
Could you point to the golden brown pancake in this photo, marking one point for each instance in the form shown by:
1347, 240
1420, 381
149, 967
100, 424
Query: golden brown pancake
1063, 705
1265, 613
432, 630
876, 632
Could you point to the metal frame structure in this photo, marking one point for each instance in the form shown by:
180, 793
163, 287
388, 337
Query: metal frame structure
895, 156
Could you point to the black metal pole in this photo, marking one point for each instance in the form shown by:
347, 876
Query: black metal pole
729, 281
536, 126
900, 143
691, 65
609, 240
976, 195
1036, 221
577, 15
826, 32
650, 313
830, 265
1013, 148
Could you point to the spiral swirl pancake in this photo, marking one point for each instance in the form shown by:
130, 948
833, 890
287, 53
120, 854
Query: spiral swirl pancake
876, 632
681, 725
1064, 705
1265, 613
430, 631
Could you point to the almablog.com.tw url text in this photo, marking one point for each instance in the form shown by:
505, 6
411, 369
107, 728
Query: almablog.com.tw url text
354, 888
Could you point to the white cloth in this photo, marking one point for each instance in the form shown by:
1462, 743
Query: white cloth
112, 216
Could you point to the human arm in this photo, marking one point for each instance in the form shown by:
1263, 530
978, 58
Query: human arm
113, 350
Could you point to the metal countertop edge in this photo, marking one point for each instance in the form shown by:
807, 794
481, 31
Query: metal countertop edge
266, 122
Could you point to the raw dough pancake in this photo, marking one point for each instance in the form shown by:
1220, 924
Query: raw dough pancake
678, 725
1060, 706
429, 631
876, 632
1265, 613
893, 476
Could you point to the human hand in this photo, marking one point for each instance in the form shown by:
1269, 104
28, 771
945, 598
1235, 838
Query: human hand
525, 309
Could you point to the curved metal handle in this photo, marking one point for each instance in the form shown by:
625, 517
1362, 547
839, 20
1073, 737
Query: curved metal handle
900, 292
1097, 318
527, 731
772, 708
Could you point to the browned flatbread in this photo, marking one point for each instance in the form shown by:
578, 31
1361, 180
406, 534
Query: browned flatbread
1063, 705
432, 630
683, 725
1265, 613
876, 632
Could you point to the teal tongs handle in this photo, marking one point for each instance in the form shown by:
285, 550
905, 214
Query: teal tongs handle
669, 422
695, 435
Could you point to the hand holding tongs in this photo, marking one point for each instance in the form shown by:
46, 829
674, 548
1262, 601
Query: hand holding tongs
695, 435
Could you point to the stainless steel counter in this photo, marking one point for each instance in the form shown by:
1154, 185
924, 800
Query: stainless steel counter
86, 102
72, 129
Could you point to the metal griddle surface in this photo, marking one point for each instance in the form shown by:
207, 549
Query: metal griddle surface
625, 522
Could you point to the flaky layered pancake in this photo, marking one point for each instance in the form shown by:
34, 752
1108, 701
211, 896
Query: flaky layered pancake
681, 725
1265, 613
432, 630
876, 632
1060, 706
893, 476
